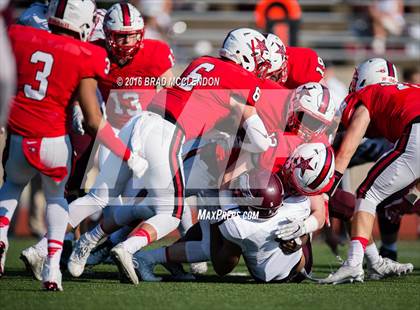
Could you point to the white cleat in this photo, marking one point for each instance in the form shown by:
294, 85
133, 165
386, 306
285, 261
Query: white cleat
144, 268
33, 261
345, 274
198, 268
79, 256
51, 278
386, 267
124, 261
4, 245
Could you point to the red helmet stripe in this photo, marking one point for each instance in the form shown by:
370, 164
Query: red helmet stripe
126, 14
324, 172
325, 99
391, 71
61, 8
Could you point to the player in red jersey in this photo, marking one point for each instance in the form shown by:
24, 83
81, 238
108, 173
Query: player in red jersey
206, 93
137, 67
298, 66
378, 106
39, 141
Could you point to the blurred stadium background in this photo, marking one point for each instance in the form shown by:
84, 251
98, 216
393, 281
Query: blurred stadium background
341, 31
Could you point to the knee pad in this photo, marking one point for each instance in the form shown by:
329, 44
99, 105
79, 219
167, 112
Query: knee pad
365, 205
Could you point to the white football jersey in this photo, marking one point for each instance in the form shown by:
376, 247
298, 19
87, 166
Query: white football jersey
263, 256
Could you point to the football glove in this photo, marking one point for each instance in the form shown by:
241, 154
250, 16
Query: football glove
77, 120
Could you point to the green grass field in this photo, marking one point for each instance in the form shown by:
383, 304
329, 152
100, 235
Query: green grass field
102, 290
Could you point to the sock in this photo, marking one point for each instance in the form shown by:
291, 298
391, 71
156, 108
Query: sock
390, 246
120, 235
57, 220
372, 254
356, 251
95, 234
186, 221
194, 252
55, 247
158, 255
42, 246
140, 238
9, 196
4, 227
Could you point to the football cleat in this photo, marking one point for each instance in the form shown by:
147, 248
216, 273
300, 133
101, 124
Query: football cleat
345, 274
124, 261
79, 256
33, 261
51, 278
198, 268
386, 267
3, 250
100, 254
178, 273
144, 268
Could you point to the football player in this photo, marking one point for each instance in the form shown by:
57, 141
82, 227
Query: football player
378, 106
39, 141
243, 55
7, 73
265, 242
298, 66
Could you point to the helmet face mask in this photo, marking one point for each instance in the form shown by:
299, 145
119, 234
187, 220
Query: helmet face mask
124, 32
373, 71
311, 111
278, 59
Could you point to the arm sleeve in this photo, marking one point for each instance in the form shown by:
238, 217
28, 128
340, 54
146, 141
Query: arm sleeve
257, 135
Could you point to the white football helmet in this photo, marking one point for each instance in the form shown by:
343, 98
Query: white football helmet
73, 15
123, 19
247, 47
310, 169
278, 58
373, 71
98, 25
311, 110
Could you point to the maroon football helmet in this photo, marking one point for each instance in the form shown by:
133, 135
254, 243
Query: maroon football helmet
259, 190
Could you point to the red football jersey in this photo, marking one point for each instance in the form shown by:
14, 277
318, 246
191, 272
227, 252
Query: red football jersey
391, 108
303, 66
140, 76
273, 105
49, 69
201, 97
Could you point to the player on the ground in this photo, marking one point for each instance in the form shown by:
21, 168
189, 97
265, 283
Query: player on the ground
38, 141
378, 106
264, 241
243, 55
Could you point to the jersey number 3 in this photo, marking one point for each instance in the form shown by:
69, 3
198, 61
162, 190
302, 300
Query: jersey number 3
41, 76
